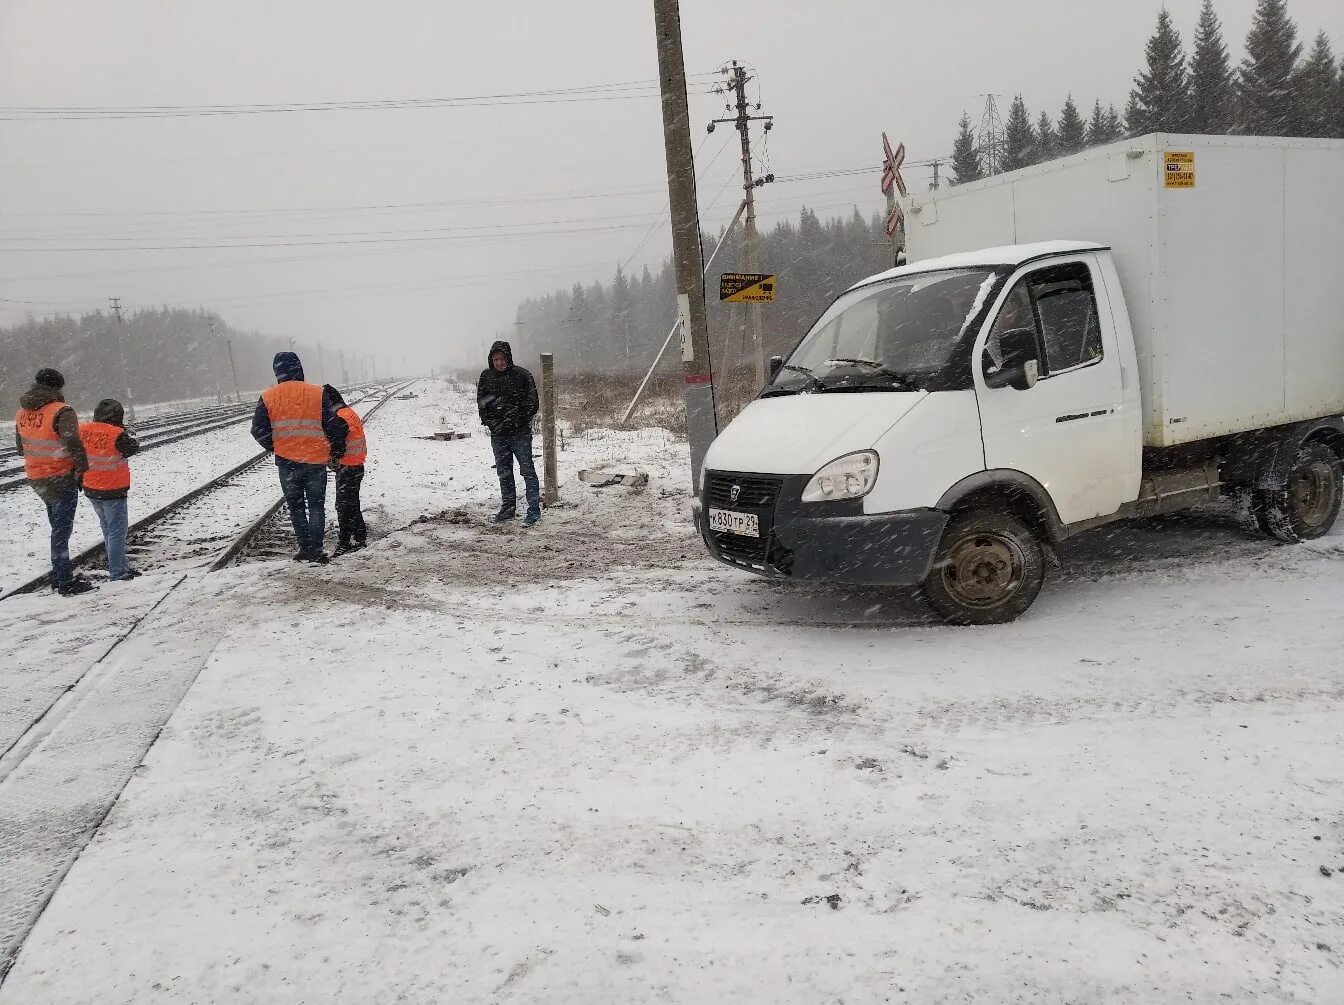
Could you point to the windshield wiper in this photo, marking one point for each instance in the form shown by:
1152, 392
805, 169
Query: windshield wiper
812, 379
878, 368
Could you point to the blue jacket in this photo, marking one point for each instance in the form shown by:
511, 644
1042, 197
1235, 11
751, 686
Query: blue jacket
288, 367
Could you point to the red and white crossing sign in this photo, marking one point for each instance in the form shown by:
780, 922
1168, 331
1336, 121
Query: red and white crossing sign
891, 167
894, 220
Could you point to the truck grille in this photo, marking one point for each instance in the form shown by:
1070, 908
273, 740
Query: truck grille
754, 491
745, 550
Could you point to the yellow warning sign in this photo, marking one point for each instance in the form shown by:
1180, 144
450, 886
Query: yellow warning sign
747, 288
1178, 169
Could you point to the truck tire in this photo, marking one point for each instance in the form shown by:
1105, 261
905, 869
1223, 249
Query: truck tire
988, 570
1307, 506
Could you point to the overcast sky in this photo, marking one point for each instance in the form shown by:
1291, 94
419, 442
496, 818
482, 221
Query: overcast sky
523, 198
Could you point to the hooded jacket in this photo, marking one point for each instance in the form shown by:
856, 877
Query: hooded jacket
109, 410
67, 428
287, 367
506, 400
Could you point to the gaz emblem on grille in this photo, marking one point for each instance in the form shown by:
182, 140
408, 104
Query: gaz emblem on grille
734, 493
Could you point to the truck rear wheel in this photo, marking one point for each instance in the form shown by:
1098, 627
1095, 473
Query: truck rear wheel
1308, 505
988, 570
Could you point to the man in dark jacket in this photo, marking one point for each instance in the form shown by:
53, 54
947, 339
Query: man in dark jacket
107, 483
46, 434
303, 430
506, 398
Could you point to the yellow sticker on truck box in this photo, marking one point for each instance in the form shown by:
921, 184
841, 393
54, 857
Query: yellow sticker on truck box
1178, 169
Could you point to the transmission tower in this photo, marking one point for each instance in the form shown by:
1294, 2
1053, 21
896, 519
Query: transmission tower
989, 138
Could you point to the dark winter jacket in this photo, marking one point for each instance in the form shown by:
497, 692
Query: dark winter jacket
109, 410
506, 400
67, 428
288, 367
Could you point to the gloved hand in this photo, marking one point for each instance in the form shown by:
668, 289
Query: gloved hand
334, 464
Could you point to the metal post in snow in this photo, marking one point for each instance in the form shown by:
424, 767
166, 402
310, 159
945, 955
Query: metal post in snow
549, 466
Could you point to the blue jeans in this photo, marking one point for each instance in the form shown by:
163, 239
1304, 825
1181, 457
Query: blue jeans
506, 448
305, 488
112, 518
61, 516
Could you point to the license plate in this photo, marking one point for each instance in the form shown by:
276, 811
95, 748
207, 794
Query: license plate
726, 521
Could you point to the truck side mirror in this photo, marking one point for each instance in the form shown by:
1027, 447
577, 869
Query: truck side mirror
776, 364
1021, 361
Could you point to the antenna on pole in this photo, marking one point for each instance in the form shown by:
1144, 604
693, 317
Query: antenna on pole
990, 138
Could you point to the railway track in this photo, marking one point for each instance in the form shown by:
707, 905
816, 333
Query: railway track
159, 431
215, 524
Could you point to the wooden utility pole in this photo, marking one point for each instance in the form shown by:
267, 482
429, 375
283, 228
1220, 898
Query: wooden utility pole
550, 469
737, 82
698, 377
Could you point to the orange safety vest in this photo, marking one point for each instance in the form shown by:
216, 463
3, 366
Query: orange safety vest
44, 454
356, 447
295, 408
108, 470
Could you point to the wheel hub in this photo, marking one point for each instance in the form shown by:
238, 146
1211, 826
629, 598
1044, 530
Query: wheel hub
1312, 493
984, 570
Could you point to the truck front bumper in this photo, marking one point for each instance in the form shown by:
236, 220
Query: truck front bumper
840, 544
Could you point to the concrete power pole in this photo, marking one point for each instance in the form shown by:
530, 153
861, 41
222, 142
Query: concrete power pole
121, 351
738, 79
698, 376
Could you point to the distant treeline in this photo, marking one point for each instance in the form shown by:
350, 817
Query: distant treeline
1277, 90
619, 326
161, 354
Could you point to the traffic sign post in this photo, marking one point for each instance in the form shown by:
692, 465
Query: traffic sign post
892, 183
747, 288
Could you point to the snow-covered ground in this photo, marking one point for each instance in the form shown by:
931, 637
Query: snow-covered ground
580, 763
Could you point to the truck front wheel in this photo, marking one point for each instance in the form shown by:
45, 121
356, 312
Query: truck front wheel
988, 570
1308, 505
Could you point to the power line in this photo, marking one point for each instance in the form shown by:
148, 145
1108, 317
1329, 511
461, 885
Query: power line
628, 90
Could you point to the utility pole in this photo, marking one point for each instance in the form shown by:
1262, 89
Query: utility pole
697, 371
935, 184
345, 374
738, 79
121, 351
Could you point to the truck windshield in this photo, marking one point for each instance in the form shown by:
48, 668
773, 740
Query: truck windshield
896, 335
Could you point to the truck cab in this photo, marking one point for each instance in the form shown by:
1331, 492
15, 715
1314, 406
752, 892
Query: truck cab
940, 425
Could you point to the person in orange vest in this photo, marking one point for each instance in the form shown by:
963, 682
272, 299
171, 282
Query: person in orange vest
46, 434
108, 480
352, 535
306, 434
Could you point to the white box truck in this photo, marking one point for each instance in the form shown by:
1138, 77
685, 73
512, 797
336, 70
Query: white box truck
1147, 326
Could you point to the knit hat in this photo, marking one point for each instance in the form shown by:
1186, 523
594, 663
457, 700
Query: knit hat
50, 377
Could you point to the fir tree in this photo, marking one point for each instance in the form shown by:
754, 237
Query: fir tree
1316, 87
1019, 139
1160, 101
1096, 126
965, 157
1339, 102
1072, 130
1047, 143
1115, 126
1212, 94
1266, 105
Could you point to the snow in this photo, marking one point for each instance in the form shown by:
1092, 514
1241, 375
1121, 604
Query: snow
580, 762
158, 477
1012, 255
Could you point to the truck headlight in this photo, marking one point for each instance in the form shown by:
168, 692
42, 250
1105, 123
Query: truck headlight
848, 477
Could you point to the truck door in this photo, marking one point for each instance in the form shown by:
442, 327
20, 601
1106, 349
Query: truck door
1068, 431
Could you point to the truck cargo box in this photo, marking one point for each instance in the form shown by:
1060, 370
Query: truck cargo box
1230, 250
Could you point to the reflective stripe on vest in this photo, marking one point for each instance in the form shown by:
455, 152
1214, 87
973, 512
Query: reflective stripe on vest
108, 470
356, 447
295, 408
44, 455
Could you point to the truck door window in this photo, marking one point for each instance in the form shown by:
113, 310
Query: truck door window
1067, 309
1015, 313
